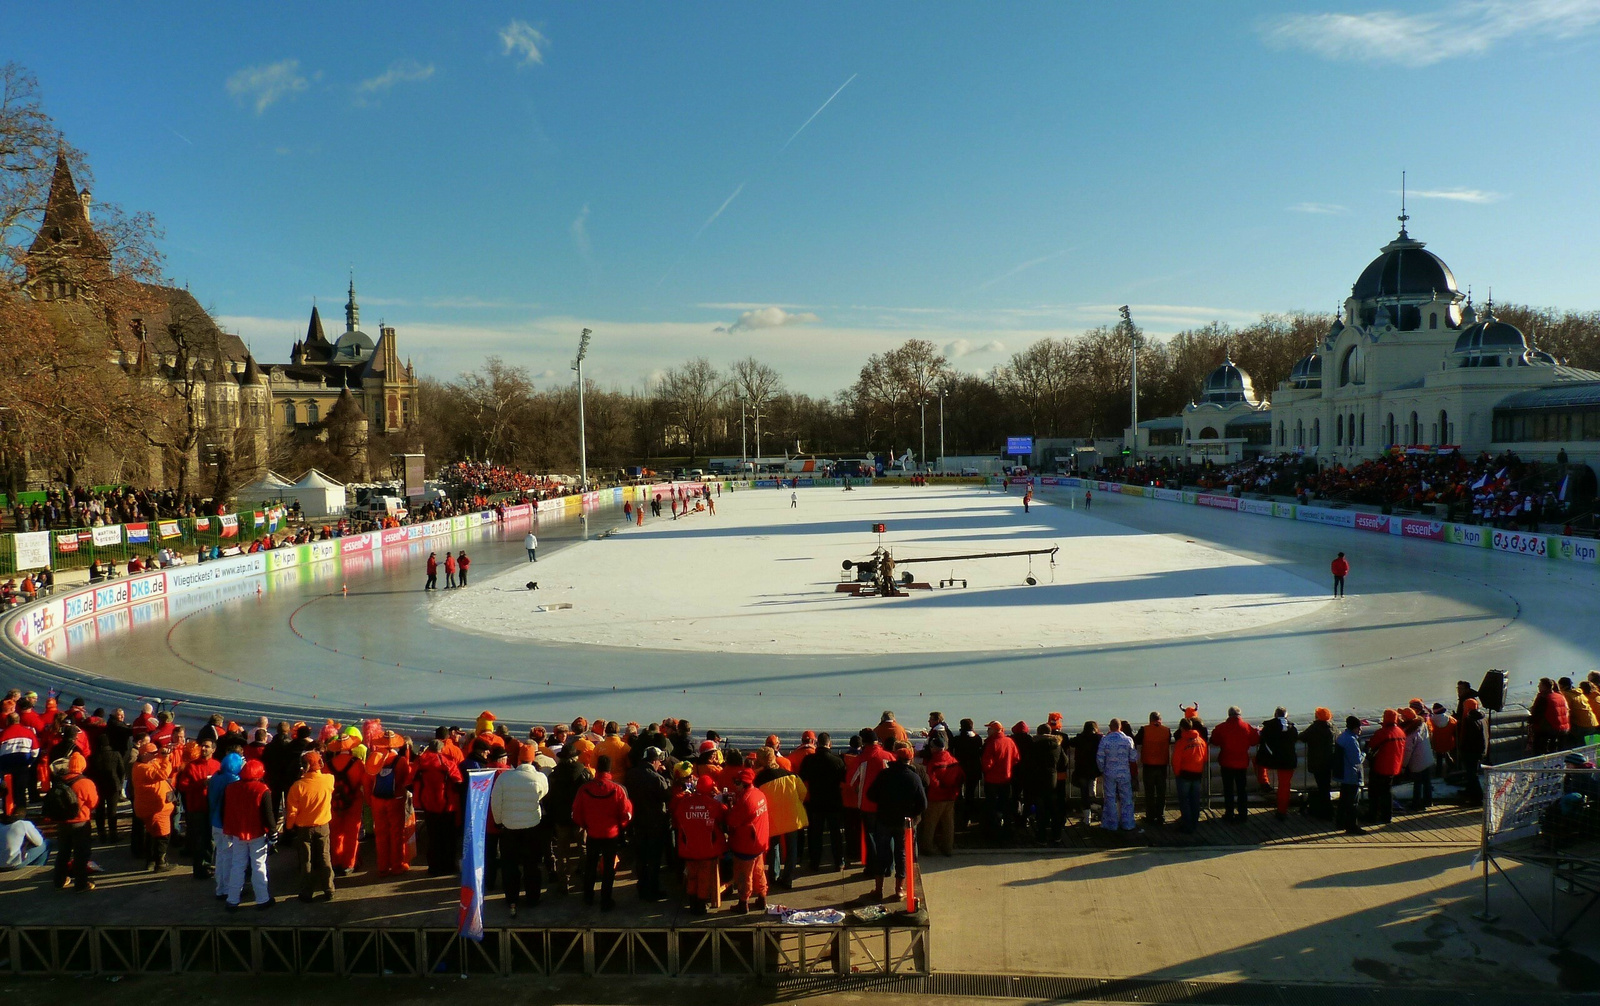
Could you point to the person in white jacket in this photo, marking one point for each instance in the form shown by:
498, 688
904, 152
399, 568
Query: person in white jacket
1418, 758
1118, 763
514, 803
531, 543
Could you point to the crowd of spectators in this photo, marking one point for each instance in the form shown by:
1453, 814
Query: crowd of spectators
81, 506
483, 479
571, 801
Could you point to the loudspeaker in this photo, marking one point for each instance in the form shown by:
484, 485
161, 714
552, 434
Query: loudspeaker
1492, 693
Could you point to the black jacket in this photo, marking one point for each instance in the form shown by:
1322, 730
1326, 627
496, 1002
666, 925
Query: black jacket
1472, 736
897, 791
967, 746
1319, 746
823, 774
565, 780
1041, 760
648, 789
1276, 746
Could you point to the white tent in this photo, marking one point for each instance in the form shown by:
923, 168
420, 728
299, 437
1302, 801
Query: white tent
268, 489
319, 495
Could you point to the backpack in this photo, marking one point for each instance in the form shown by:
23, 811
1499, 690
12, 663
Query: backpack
383, 783
346, 793
61, 804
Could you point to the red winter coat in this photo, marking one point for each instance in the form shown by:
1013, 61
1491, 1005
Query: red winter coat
944, 777
465, 561
602, 808
1386, 751
1341, 567
193, 783
433, 566
435, 783
1233, 738
247, 804
999, 759
698, 818
872, 761
748, 833
449, 564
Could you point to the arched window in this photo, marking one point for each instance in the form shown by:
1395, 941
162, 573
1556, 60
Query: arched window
1316, 433
289, 416
1416, 430
1209, 433
1363, 440
1433, 319
313, 415
1388, 431
1353, 367
1338, 431
1444, 427
1283, 434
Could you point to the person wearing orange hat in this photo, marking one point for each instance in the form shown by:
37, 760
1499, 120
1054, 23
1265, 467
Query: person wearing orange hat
999, 760
1386, 753
388, 776
748, 838
307, 812
193, 781
345, 763
1318, 739
1419, 759
247, 821
153, 803
74, 833
697, 819
797, 757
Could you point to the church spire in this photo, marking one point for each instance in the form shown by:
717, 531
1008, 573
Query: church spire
352, 312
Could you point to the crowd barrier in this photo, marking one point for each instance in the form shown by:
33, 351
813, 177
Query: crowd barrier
146, 596
1536, 545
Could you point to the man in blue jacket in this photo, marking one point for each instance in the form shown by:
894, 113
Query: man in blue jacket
1347, 761
228, 774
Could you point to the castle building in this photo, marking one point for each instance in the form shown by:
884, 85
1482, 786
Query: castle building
1408, 362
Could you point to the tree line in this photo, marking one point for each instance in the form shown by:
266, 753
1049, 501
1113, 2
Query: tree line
1076, 386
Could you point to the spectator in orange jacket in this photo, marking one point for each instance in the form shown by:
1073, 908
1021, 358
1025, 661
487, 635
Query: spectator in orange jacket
999, 761
308, 810
154, 800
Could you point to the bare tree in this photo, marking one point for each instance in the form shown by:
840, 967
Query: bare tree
691, 394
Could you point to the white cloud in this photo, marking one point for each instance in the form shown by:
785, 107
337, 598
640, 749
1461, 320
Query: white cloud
1318, 208
399, 72
1465, 28
580, 235
744, 305
264, 85
524, 41
1458, 195
958, 348
771, 317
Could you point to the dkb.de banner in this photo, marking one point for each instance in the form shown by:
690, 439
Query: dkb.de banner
470, 923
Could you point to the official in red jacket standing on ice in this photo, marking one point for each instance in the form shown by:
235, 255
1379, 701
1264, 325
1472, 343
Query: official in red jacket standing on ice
1341, 569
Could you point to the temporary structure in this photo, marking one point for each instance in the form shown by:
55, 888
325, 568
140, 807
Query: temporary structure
319, 495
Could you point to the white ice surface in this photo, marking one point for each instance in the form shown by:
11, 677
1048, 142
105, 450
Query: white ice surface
759, 577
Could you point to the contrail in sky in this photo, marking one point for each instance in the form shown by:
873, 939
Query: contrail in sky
818, 112
713, 217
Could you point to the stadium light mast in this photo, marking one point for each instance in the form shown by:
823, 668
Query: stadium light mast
1137, 343
744, 452
942, 393
922, 459
583, 454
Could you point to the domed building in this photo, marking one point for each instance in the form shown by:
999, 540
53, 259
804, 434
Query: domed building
1410, 362
1228, 423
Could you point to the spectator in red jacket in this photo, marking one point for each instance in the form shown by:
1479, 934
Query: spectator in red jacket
433, 572
869, 763
1341, 569
748, 838
247, 820
193, 782
434, 787
1386, 753
1549, 719
944, 788
999, 761
698, 817
602, 809
449, 570
1233, 738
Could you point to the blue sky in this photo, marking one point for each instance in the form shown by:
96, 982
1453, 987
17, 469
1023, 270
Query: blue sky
503, 174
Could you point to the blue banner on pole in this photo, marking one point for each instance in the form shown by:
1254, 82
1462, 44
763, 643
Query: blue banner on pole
470, 922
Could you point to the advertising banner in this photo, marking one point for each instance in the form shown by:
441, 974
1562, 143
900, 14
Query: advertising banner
67, 542
227, 525
1471, 535
1170, 495
395, 535
470, 921
110, 534
281, 558
32, 549
167, 528
181, 578
1574, 549
1520, 542
1411, 527
1261, 508
1321, 515
1217, 502
138, 533
147, 587
76, 606
110, 595
1374, 522
1135, 490
38, 621
351, 543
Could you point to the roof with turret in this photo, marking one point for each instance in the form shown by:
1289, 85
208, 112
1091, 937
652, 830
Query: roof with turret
66, 226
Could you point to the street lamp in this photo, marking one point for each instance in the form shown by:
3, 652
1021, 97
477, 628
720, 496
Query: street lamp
744, 455
922, 458
1137, 342
583, 454
943, 392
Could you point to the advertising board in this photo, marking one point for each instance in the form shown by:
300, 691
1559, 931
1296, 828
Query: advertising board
1375, 522
1322, 515
1216, 502
1520, 542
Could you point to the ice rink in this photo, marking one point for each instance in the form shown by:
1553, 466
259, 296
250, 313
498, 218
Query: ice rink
1152, 604
761, 575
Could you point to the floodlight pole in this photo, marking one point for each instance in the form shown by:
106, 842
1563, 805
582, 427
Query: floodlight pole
583, 454
922, 458
744, 453
1133, 382
942, 393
